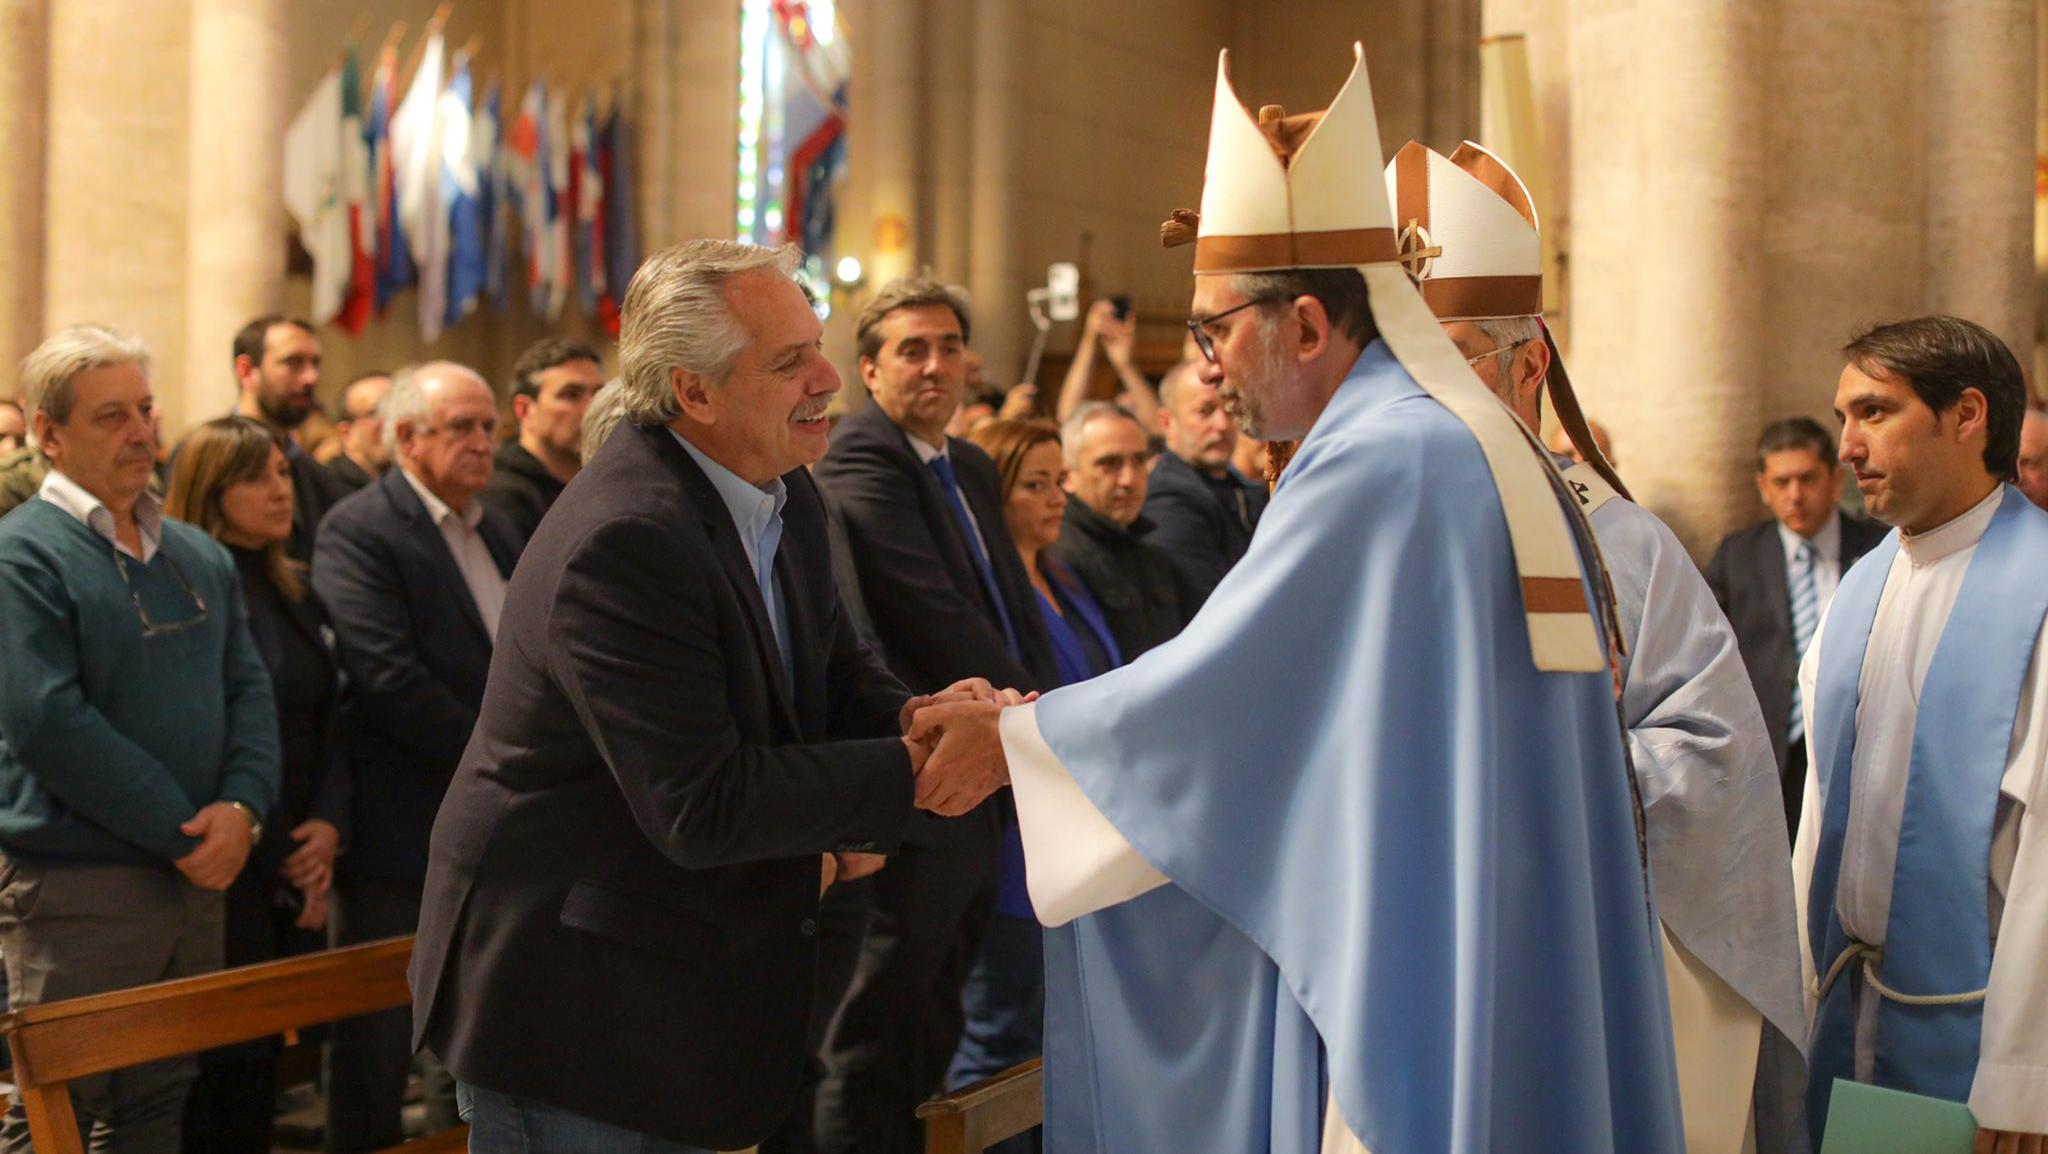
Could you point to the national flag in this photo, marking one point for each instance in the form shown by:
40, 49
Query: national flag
312, 193
358, 198
461, 190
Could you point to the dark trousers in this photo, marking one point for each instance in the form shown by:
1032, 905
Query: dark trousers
72, 931
509, 1124
1792, 776
371, 1055
888, 1045
842, 926
233, 1108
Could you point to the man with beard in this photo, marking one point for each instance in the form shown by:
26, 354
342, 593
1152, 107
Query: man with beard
1352, 862
1202, 509
277, 365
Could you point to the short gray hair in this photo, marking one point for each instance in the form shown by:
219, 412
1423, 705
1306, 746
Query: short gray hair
1510, 331
1078, 421
602, 417
676, 317
408, 402
47, 372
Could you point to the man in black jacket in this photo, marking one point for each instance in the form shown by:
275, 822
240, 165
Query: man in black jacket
950, 600
553, 383
1104, 533
277, 368
1775, 578
412, 570
1201, 508
360, 432
616, 949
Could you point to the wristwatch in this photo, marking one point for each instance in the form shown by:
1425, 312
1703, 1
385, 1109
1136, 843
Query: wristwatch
255, 823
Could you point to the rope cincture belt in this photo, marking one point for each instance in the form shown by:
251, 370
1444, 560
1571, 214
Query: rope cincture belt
1873, 957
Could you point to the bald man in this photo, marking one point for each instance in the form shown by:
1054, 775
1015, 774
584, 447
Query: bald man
2033, 474
412, 569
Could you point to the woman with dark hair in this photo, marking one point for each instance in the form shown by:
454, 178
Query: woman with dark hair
231, 478
1004, 998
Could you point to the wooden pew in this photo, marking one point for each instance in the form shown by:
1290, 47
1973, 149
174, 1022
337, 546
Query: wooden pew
57, 1042
970, 1120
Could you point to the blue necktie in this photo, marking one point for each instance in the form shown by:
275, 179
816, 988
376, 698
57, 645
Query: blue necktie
949, 483
1805, 616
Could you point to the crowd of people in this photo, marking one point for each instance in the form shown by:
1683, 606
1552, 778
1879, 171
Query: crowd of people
674, 722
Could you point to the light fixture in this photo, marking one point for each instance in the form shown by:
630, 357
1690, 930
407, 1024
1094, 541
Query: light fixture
849, 270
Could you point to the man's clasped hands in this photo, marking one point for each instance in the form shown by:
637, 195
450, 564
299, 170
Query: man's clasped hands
956, 756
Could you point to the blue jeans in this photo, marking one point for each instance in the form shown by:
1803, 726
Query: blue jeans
508, 1124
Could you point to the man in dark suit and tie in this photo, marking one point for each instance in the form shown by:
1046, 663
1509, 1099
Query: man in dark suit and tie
950, 599
412, 569
1774, 579
682, 742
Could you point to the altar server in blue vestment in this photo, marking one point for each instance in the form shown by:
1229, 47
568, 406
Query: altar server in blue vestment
1391, 898
1921, 860
1696, 735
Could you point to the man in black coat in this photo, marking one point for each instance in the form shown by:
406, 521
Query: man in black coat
1804, 547
360, 432
1201, 508
553, 383
617, 945
1104, 533
277, 369
412, 570
950, 600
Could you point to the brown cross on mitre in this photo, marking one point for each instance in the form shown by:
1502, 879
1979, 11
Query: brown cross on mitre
1418, 249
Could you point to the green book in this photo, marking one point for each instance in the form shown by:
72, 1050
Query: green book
1873, 1120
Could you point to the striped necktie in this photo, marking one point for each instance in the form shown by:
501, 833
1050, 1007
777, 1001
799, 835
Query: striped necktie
1805, 616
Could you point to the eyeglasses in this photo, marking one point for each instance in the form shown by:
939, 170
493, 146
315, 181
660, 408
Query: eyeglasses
1475, 358
164, 629
1199, 326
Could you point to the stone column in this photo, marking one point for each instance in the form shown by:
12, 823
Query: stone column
1979, 170
116, 177
235, 225
24, 43
705, 166
1002, 331
1668, 112
888, 119
950, 59
653, 103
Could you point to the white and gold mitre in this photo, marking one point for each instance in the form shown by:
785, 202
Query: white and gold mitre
1306, 191
1467, 231
1466, 227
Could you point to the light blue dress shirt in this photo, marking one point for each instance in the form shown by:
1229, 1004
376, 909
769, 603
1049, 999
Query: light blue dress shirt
757, 515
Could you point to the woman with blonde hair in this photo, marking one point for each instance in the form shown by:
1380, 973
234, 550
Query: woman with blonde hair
231, 478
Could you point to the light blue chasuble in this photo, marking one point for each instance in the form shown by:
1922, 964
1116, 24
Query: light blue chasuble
1938, 932
1403, 864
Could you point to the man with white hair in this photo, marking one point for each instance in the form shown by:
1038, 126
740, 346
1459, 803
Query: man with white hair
138, 732
1696, 735
413, 571
682, 744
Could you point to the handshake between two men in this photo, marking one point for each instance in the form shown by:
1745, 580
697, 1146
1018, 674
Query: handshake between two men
956, 755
